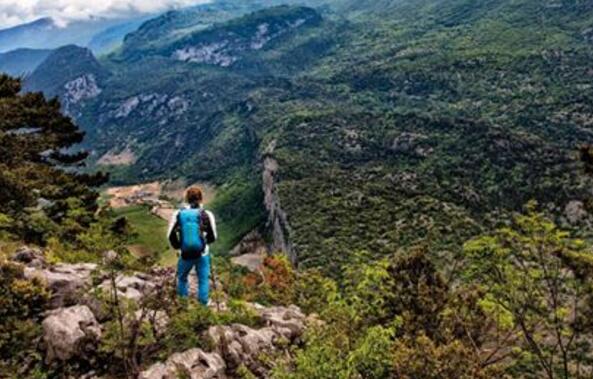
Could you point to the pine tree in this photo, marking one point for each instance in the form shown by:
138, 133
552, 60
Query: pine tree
42, 188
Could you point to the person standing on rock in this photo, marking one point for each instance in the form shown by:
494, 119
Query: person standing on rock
191, 230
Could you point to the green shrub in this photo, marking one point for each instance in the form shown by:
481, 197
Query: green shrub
21, 304
185, 329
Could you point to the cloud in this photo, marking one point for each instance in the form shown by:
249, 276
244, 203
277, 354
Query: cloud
13, 12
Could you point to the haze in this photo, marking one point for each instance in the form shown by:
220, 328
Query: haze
14, 12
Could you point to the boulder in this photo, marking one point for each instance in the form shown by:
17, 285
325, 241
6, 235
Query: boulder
411, 144
286, 321
193, 364
235, 345
29, 256
242, 345
132, 287
575, 212
65, 281
109, 256
70, 333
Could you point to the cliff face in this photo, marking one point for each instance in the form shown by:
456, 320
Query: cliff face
277, 218
227, 45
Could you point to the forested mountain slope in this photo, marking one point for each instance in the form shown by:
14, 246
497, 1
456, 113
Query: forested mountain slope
376, 125
21, 62
422, 132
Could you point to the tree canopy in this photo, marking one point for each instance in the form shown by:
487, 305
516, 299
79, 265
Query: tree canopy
41, 182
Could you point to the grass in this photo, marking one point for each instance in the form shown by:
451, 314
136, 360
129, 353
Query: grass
151, 234
238, 207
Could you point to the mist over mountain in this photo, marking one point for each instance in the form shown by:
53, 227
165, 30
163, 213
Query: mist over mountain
45, 33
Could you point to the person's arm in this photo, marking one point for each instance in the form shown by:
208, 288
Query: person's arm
210, 227
173, 233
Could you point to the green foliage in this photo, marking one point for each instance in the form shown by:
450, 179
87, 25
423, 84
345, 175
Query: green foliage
313, 291
21, 304
368, 286
103, 235
421, 357
38, 193
185, 329
372, 357
397, 317
238, 206
536, 280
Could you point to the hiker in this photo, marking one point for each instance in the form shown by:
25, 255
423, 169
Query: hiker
191, 230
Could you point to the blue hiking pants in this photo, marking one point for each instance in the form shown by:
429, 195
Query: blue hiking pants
202, 265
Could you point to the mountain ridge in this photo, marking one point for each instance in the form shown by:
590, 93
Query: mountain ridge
21, 62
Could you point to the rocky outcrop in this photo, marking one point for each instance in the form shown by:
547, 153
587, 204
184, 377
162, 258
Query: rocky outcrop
575, 212
253, 242
118, 157
82, 88
155, 105
210, 53
70, 332
194, 364
411, 144
287, 321
69, 282
227, 45
242, 345
250, 252
30, 256
277, 218
65, 281
132, 287
234, 345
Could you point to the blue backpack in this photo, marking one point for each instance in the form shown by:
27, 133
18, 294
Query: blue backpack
192, 241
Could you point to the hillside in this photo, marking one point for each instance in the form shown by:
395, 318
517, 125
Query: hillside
374, 125
431, 130
78, 79
46, 33
22, 62
111, 38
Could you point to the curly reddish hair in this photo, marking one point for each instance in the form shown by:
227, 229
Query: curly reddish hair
194, 195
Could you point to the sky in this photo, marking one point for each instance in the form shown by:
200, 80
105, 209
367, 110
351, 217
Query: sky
14, 12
